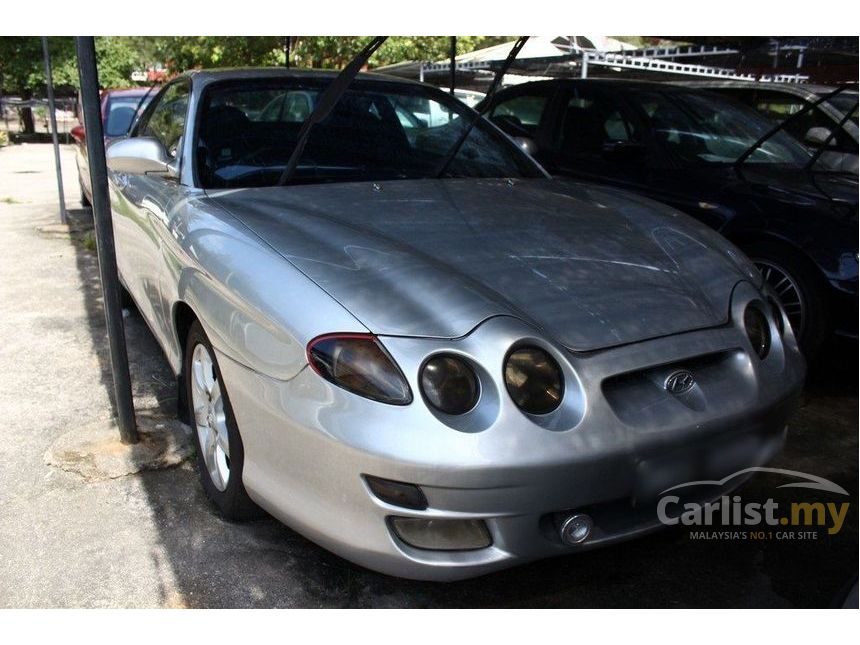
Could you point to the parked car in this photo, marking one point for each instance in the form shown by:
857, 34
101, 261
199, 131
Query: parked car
695, 151
435, 363
778, 101
118, 109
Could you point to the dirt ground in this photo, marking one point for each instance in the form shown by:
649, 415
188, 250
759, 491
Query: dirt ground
151, 539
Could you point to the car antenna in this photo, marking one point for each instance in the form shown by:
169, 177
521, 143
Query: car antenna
328, 99
497, 79
780, 126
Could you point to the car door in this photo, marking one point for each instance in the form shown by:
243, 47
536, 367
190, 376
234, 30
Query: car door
524, 112
142, 206
597, 138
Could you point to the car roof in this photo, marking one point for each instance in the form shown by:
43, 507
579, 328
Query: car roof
206, 76
624, 85
800, 89
128, 91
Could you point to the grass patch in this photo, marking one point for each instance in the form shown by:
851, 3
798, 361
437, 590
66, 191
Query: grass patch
11, 200
88, 241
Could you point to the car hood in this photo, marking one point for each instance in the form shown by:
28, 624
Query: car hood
591, 267
832, 193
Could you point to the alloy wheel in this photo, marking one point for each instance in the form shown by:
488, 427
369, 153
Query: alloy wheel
787, 291
209, 416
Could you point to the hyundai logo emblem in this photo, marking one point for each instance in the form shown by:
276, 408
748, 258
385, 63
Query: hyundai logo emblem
679, 382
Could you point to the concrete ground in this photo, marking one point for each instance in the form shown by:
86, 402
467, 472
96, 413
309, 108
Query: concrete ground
151, 539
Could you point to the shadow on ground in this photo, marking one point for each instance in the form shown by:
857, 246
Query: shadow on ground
265, 564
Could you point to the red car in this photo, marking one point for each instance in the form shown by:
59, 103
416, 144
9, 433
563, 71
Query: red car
119, 109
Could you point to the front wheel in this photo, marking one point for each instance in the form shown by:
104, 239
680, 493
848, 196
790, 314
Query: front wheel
220, 453
799, 291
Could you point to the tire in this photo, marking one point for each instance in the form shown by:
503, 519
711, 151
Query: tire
800, 289
219, 462
85, 201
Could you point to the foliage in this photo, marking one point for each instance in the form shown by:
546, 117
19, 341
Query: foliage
22, 71
22, 66
335, 51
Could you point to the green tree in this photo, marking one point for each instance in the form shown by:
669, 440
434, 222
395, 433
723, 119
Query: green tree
322, 52
22, 67
22, 70
180, 53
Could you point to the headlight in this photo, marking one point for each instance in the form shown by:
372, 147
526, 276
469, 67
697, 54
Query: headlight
758, 330
449, 384
533, 380
360, 364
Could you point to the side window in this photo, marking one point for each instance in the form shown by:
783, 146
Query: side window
519, 116
167, 120
778, 107
591, 125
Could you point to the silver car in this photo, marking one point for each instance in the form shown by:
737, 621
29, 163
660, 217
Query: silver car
434, 365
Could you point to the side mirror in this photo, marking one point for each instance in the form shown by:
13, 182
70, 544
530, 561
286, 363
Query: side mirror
526, 145
140, 156
817, 136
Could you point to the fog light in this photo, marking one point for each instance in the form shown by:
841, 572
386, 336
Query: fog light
576, 529
441, 534
397, 493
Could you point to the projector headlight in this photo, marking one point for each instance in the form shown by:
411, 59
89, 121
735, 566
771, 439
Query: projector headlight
533, 380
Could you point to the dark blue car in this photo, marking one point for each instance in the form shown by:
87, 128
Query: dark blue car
689, 149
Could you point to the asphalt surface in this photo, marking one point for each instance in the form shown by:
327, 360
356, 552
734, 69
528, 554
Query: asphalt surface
152, 540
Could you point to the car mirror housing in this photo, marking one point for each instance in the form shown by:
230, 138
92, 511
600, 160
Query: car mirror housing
817, 136
140, 156
526, 144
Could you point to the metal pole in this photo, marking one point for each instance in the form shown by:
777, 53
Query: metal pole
453, 69
52, 111
86, 50
584, 66
287, 52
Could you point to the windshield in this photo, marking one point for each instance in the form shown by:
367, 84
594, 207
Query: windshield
845, 102
120, 112
378, 131
699, 129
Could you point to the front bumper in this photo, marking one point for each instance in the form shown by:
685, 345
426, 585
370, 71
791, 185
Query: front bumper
617, 440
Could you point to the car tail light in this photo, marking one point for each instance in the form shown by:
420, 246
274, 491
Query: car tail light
360, 364
758, 329
533, 380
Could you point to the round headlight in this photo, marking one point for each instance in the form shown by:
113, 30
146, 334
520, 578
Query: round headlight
758, 330
449, 384
533, 380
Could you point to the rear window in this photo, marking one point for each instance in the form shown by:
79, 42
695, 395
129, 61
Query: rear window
120, 112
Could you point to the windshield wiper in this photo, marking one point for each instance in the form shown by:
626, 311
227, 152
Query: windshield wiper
780, 126
497, 79
328, 99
